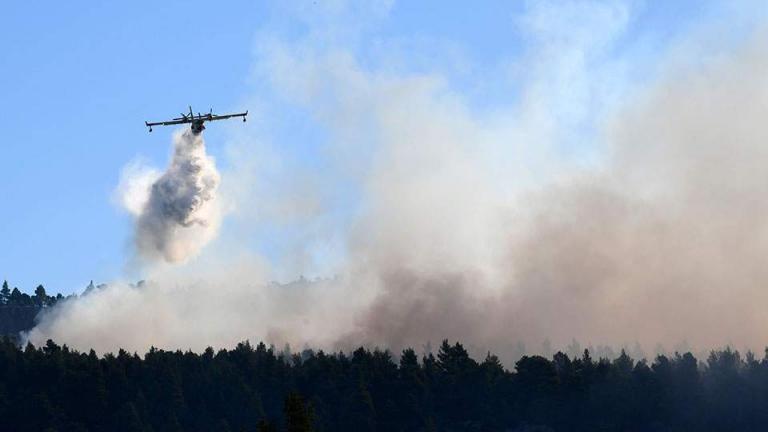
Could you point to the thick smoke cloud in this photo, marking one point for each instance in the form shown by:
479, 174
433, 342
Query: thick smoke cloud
663, 243
474, 225
179, 214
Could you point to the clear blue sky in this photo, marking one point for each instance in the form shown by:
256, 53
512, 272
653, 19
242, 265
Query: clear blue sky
78, 79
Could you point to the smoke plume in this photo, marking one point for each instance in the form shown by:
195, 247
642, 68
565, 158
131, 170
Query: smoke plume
178, 214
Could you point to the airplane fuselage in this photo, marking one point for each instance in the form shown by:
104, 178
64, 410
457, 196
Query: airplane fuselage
197, 127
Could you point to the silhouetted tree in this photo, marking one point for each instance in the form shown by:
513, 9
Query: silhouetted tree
40, 298
15, 297
298, 416
265, 426
5, 293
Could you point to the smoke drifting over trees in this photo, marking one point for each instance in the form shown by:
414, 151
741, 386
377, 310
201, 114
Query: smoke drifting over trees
472, 225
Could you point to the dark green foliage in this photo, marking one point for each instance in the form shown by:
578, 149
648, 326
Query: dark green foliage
5, 293
18, 310
17, 298
298, 416
252, 388
41, 298
265, 426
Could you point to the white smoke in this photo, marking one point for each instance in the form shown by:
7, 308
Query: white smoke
132, 193
177, 213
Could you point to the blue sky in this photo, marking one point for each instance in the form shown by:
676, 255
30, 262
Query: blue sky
78, 79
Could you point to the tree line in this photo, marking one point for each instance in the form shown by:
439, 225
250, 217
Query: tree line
17, 298
256, 388
18, 309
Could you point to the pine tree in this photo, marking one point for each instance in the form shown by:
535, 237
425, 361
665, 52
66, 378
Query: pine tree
41, 298
298, 417
15, 298
5, 293
265, 426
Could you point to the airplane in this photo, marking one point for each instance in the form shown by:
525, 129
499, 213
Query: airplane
195, 120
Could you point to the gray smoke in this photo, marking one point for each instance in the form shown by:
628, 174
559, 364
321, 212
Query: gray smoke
662, 243
473, 225
180, 214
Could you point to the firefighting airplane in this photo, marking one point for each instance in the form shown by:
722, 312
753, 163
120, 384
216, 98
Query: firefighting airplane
196, 120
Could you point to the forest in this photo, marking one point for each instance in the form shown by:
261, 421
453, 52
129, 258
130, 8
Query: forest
256, 388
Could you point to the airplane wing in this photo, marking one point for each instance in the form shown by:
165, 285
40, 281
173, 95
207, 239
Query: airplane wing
167, 123
211, 117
